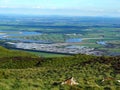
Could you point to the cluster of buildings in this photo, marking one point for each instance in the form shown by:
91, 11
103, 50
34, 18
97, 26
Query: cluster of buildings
63, 48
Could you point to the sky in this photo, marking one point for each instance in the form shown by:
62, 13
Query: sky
61, 7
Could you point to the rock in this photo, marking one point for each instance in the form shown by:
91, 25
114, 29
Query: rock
71, 81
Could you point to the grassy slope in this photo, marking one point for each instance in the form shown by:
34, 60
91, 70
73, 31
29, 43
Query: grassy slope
23, 71
44, 54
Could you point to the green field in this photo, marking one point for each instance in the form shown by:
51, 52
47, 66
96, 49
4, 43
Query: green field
43, 54
59, 29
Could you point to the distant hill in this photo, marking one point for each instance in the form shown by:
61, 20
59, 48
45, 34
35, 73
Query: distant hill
21, 70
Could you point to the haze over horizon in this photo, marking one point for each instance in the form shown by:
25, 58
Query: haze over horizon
61, 7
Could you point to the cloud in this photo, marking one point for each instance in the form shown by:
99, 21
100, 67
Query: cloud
41, 7
5, 1
9, 7
4, 7
118, 11
36, 7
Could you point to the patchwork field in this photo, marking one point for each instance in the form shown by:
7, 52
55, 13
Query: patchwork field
100, 33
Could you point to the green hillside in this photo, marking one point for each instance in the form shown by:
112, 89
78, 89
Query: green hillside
24, 71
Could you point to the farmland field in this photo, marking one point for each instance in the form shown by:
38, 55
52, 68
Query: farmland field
100, 33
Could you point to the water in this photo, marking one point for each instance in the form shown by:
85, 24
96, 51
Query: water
25, 33
18, 33
74, 40
75, 46
28, 40
101, 42
8, 35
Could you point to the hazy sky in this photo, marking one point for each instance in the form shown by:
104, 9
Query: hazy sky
61, 7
